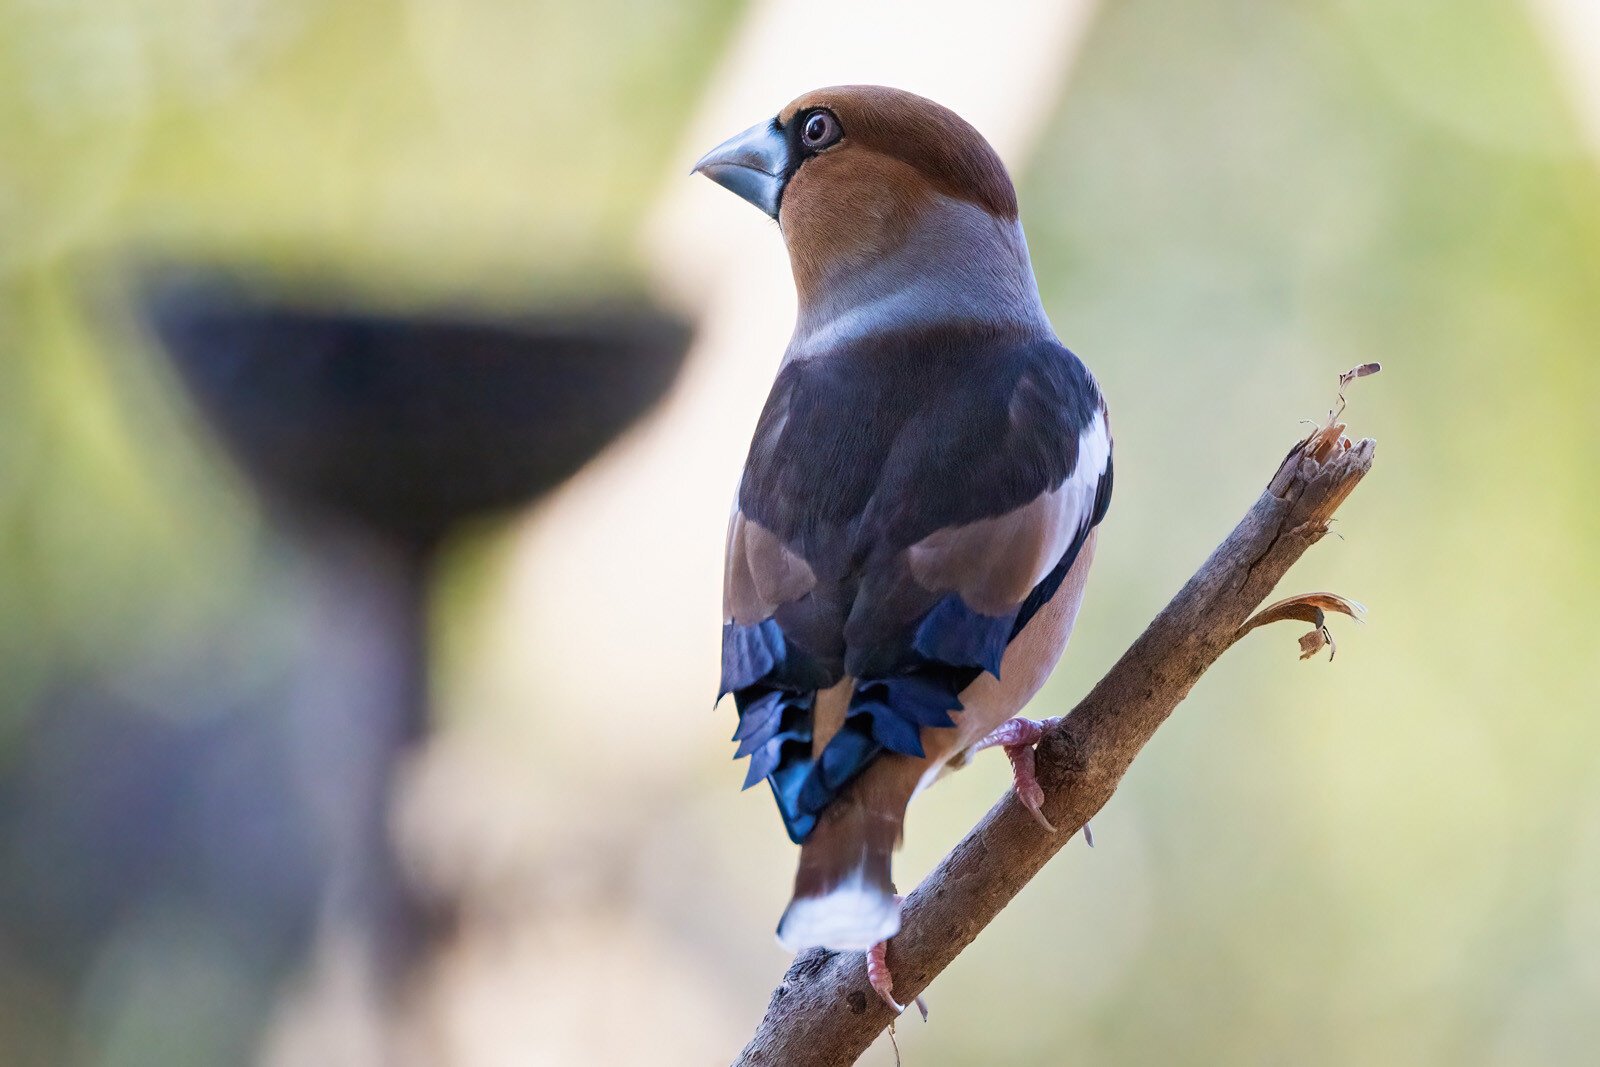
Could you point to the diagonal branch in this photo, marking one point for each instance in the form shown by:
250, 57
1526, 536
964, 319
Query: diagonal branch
823, 1013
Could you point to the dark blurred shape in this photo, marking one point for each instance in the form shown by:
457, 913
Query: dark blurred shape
374, 433
408, 423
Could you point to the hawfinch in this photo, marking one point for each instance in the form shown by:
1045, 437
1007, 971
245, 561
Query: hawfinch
917, 514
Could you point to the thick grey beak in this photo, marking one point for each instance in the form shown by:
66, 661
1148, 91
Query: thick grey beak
751, 164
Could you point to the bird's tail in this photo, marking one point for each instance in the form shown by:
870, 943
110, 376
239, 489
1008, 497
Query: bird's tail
843, 896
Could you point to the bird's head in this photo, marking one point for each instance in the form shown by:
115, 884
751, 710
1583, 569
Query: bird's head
855, 174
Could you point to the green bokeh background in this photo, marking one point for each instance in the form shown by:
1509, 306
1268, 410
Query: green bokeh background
1392, 859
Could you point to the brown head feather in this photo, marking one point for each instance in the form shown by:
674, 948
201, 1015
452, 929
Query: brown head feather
859, 197
941, 146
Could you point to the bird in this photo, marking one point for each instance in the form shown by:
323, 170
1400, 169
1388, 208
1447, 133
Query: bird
914, 525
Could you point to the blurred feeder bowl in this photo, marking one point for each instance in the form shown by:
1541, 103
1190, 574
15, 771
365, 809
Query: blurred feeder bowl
408, 423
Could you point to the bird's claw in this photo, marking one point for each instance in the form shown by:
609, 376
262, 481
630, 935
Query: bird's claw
881, 981
1029, 791
1018, 737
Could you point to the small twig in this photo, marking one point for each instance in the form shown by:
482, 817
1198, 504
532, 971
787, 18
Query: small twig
823, 1013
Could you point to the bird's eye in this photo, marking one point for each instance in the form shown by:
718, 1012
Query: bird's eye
820, 131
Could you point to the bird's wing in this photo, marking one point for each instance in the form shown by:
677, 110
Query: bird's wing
903, 513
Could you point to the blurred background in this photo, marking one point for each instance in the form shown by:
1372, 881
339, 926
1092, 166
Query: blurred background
210, 661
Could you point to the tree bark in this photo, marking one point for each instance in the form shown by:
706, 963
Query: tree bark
823, 1013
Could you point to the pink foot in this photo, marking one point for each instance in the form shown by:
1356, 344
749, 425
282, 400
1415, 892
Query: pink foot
879, 978
1017, 737
882, 981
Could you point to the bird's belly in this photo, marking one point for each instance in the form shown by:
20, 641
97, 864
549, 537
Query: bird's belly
1027, 663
